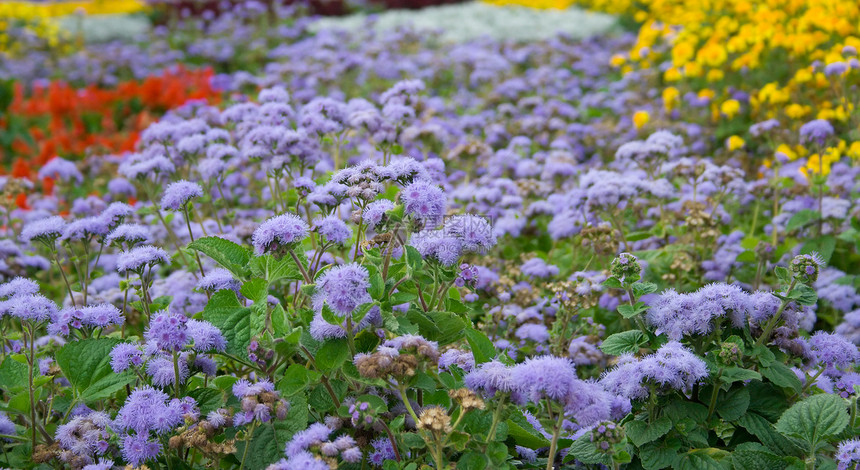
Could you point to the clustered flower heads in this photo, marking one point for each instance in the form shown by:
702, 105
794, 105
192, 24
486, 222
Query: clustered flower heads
281, 232
672, 367
312, 449
398, 358
259, 401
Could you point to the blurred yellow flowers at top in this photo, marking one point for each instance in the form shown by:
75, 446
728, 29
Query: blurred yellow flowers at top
640, 118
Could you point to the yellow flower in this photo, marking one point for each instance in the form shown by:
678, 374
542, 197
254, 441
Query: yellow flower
640, 118
734, 142
785, 149
730, 108
854, 151
670, 98
672, 74
617, 60
797, 111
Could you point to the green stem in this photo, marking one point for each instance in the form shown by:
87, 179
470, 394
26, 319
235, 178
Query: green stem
248, 435
713, 404
773, 321
497, 414
176, 373
305, 275
31, 363
553, 446
191, 236
65, 279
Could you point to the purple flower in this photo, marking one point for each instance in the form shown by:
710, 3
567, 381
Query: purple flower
283, 230
373, 212
424, 201
343, 289
162, 372
43, 230
816, 131
672, 366
33, 307
205, 336
100, 316
18, 286
547, 377
178, 193
168, 331
829, 350
137, 449
103, 464
538, 268
315, 434
125, 355
60, 169
848, 454
475, 233
218, 279
332, 229
490, 378
462, 359
7, 427
85, 229
382, 451
130, 234
138, 258
678, 315
536, 332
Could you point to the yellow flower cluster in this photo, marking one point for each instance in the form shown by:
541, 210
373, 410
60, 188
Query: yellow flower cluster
38, 18
537, 4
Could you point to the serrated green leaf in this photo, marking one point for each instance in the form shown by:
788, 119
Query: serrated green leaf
781, 375
208, 399
269, 439
586, 452
765, 432
86, 364
233, 319
643, 288
704, 459
443, 327
801, 219
273, 270
231, 256
656, 457
738, 374
482, 348
624, 342
14, 376
824, 246
815, 419
640, 432
295, 380
332, 354
732, 405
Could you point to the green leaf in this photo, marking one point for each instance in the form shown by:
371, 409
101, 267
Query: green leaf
782, 274
704, 459
781, 375
815, 419
738, 374
413, 441
256, 290
612, 281
226, 253
443, 327
273, 270
732, 405
586, 452
764, 431
208, 399
624, 342
655, 457
801, 219
233, 319
473, 461
413, 258
756, 458
14, 376
824, 246
86, 364
332, 354
640, 432
269, 439
377, 287
295, 380
482, 347
524, 433
643, 288
804, 295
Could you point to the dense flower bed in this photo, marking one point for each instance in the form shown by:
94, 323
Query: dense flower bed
385, 250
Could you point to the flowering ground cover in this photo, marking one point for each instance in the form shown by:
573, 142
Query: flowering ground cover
379, 248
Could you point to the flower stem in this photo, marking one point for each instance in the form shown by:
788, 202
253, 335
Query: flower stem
248, 435
553, 446
176, 373
773, 321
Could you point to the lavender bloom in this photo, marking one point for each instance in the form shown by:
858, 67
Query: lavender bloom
125, 355
547, 377
283, 230
538, 268
424, 201
130, 234
137, 449
848, 454
315, 434
161, 370
373, 212
490, 378
7, 427
138, 258
343, 288
60, 169
672, 366
533, 331
85, 229
816, 131
103, 464
44, 230
33, 307
333, 229
475, 233
205, 336
18, 286
178, 193
831, 350
168, 331
462, 359
678, 315
218, 279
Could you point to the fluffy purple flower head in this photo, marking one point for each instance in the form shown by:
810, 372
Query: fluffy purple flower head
125, 355
538, 268
7, 427
138, 258
333, 229
373, 212
490, 378
130, 234
100, 316
315, 434
62, 170
116, 213
137, 449
178, 193
465, 360
102, 464
32, 307
474, 232
816, 131
343, 289
285, 230
829, 350
44, 230
675, 366
85, 229
848, 455
168, 331
218, 279
548, 377
205, 336
424, 201
18, 286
